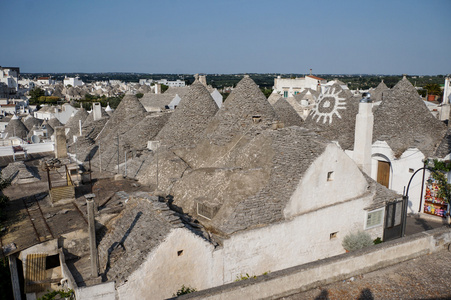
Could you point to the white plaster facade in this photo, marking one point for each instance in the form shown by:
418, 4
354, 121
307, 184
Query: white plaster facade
447, 91
10, 77
288, 87
62, 114
319, 214
73, 81
401, 170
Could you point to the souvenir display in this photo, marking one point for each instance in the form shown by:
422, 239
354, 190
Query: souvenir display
433, 204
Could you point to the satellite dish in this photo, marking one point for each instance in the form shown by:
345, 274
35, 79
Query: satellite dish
35, 139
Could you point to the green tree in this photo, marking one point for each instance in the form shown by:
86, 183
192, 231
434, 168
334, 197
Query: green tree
433, 89
266, 92
164, 88
35, 94
139, 95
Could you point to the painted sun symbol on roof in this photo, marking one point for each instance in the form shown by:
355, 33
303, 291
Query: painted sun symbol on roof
328, 105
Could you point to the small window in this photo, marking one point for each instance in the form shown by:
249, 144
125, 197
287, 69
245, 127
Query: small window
256, 119
411, 170
330, 176
285, 94
333, 235
374, 218
180, 253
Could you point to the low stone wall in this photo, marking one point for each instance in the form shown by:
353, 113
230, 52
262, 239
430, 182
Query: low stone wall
304, 277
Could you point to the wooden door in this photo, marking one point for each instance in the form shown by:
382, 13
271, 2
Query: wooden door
383, 173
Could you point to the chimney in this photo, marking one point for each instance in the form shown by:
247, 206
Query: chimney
157, 88
92, 235
363, 138
203, 79
60, 142
97, 111
310, 71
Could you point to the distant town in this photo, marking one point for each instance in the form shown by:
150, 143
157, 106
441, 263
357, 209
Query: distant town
151, 186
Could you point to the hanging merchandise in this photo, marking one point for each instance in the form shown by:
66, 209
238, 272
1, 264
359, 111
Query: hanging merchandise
433, 204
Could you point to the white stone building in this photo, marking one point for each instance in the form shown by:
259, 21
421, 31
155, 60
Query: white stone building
73, 81
288, 87
10, 77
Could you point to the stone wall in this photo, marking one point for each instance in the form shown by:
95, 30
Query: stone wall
307, 276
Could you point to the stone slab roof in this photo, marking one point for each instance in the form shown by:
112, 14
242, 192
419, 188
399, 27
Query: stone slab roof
20, 173
444, 147
152, 101
54, 122
403, 121
333, 116
272, 99
377, 93
128, 113
16, 128
141, 227
74, 122
190, 119
30, 121
246, 110
286, 113
256, 183
161, 100
382, 195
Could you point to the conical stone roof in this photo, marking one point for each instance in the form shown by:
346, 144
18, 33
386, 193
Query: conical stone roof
190, 119
74, 122
403, 121
128, 113
377, 93
16, 128
245, 112
54, 122
286, 113
30, 121
334, 116
49, 128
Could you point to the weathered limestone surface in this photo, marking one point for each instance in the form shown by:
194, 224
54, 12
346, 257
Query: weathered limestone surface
286, 113
403, 121
190, 119
333, 116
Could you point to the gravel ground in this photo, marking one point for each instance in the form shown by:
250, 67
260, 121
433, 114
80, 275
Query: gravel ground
426, 277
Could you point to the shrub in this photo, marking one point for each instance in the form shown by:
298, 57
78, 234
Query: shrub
184, 290
358, 240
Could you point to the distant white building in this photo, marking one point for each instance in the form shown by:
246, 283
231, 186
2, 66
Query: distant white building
62, 113
45, 81
9, 76
73, 81
288, 87
176, 83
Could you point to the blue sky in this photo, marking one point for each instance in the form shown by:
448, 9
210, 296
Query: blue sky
235, 36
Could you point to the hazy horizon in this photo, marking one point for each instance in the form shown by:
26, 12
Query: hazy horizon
228, 37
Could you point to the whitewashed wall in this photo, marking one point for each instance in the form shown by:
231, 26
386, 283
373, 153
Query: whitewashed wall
164, 272
401, 170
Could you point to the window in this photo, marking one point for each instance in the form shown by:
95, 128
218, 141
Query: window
333, 235
374, 218
180, 253
285, 94
330, 176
